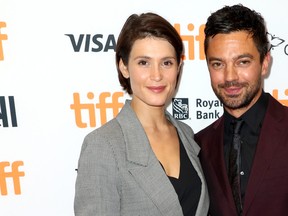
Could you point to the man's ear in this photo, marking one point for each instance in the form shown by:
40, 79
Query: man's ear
266, 64
123, 69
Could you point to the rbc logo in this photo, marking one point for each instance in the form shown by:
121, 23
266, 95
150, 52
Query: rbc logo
180, 108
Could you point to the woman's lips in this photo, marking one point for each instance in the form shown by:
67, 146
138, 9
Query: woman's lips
156, 89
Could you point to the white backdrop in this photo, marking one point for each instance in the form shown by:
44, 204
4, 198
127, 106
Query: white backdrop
53, 52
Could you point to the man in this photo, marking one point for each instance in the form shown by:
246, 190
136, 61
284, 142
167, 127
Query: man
237, 55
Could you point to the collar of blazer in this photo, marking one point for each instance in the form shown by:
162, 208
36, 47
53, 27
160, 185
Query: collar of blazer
137, 143
144, 166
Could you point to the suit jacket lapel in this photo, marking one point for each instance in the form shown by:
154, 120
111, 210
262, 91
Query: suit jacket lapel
144, 166
216, 153
153, 180
265, 151
193, 150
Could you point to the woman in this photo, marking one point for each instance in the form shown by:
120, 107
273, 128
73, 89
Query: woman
143, 162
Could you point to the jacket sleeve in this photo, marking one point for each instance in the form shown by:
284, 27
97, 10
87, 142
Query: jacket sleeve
97, 183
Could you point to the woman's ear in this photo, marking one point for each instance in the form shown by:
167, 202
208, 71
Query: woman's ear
180, 66
123, 69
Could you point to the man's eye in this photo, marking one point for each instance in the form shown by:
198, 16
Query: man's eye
216, 65
244, 62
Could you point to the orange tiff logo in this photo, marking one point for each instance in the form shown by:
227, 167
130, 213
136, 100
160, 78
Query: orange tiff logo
103, 105
2, 37
15, 174
276, 96
190, 41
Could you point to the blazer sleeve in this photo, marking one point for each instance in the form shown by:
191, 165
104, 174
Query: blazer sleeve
96, 190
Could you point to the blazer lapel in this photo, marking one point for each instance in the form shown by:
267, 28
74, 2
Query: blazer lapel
153, 180
144, 166
217, 164
193, 150
265, 151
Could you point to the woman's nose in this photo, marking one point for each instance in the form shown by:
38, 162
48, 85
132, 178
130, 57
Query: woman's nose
155, 73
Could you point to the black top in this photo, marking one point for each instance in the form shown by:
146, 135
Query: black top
188, 185
249, 133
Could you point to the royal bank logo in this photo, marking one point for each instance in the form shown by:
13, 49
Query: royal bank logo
208, 109
180, 108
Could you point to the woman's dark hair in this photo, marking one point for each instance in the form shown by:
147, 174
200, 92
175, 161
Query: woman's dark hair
139, 27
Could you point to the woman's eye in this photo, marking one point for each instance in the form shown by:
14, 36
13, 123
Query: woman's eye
168, 63
142, 62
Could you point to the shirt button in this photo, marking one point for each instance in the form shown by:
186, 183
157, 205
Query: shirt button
242, 173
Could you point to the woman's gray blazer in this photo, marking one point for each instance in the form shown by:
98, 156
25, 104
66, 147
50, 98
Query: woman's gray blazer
118, 173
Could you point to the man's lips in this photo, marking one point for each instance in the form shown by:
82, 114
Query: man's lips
233, 90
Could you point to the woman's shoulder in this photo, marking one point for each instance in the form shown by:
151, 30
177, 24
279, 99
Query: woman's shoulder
106, 131
106, 139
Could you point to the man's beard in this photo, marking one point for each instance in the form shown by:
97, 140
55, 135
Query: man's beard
231, 101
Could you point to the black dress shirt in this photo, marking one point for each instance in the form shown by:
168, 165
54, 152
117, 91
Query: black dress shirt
250, 132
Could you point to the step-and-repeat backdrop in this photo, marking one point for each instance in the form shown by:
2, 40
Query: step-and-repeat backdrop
58, 82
